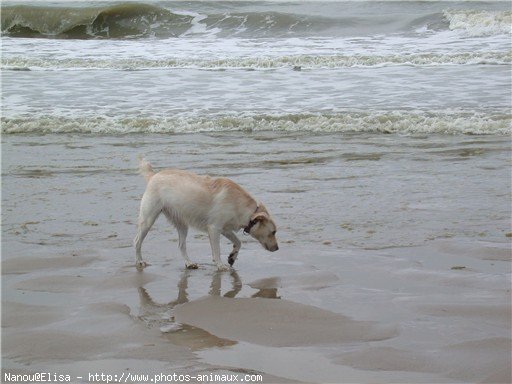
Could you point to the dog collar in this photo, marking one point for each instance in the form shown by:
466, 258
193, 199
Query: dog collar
252, 223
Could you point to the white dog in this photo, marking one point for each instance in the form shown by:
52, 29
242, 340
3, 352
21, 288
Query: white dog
217, 206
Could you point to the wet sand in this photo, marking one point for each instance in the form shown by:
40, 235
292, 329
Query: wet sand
81, 317
319, 310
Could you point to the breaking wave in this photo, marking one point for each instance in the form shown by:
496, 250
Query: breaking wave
133, 20
118, 21
402, 122
480, 23
296, 62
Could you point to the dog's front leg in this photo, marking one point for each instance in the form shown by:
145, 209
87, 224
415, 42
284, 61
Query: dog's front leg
236, 246
214, 235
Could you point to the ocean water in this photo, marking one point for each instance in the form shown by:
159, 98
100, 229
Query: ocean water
172, 67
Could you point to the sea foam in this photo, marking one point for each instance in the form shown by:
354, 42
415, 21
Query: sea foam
262, 62
402, 122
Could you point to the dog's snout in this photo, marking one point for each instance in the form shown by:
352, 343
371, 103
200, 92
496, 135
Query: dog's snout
274, 248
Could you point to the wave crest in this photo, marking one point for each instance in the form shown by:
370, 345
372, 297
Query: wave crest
261, 63
402, 122
118, 21
134, 20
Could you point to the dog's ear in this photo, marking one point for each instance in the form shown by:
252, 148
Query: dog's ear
259, 217
256, 218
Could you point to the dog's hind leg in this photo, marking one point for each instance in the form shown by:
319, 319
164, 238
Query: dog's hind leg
182, 229
182, 235
230, 235
214, 235
148, 214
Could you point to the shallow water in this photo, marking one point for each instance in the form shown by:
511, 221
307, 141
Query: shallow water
364, 190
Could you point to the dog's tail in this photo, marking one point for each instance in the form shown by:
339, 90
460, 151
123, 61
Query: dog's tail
145, 169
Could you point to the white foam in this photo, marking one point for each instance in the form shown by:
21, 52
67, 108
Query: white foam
401, 122
303, 61
196, 25
480, 23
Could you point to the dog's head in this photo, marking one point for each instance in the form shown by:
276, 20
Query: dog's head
263, 229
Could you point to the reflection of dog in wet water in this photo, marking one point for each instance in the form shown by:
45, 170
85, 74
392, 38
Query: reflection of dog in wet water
158, 315
217, 206
148, 306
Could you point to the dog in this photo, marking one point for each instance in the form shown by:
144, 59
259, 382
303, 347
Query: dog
217, 206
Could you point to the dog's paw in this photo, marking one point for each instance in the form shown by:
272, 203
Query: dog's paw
232, 257
223, 267
141, 264
192, 266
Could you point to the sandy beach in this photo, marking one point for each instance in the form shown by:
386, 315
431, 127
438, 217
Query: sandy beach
432, 307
